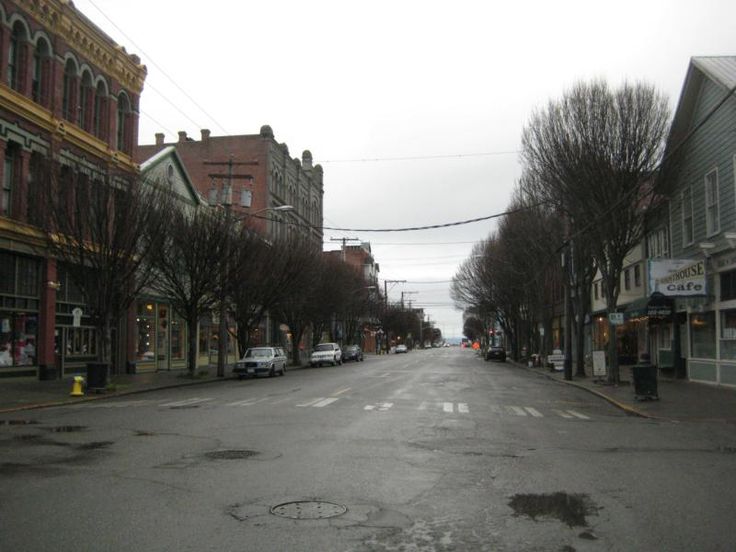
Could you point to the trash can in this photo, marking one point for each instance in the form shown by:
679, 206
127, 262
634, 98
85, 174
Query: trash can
96, 376
645, 380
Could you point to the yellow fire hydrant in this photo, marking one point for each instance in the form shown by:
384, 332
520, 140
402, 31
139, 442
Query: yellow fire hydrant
77, 390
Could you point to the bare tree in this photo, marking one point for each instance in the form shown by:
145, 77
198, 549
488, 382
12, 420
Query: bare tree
103, 227
187, 265
595, 152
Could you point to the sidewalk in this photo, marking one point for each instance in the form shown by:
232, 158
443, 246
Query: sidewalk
18, 394
679, 400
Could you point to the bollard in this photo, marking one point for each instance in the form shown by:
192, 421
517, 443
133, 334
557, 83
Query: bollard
77, 387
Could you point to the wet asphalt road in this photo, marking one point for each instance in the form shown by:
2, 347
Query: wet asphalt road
432, 450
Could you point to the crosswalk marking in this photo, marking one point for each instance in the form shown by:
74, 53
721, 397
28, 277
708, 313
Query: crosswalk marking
534, 412
312, 403
463, 408
247, 402
325, 402
447, 407
561, 413
186, 402
579, 415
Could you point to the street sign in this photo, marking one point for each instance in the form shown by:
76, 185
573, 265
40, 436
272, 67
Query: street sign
616, 318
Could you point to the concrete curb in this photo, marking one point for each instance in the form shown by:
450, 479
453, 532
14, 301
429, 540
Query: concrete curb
102, 396
622, 406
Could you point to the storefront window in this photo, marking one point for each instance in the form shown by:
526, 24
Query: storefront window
728, 334
703, 335
18, 339
145, 325
81, 342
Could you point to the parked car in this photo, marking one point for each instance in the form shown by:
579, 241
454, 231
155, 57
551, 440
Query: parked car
326, 353
401, 349
496, 352
352, 352
261, 360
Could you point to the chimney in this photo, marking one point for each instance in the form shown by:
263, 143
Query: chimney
159, 138
205, 135
182, 136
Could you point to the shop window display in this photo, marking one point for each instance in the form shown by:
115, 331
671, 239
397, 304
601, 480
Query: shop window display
18, 339
728, 334
703, 335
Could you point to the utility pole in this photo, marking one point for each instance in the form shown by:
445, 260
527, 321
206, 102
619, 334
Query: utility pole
344, 240
402, 297
385, 288
226, 201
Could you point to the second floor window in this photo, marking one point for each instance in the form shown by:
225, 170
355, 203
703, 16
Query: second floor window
627, 279
712, 220
637, 276
9, 179
687, 218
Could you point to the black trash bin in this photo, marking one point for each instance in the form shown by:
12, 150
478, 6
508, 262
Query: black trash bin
96, 376
645, 380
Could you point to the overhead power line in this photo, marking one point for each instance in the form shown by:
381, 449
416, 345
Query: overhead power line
164, 73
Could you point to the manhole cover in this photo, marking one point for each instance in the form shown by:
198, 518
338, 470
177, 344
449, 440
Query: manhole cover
308, 509
230, 454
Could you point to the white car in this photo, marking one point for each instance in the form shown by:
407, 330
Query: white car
326, 353
401, 348
261, 360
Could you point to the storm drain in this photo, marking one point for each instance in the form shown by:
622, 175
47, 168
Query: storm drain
308, 509
230, 454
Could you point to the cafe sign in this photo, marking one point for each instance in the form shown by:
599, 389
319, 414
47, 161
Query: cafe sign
677, 277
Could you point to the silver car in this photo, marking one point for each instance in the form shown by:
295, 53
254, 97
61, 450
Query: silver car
261, 361
326, 353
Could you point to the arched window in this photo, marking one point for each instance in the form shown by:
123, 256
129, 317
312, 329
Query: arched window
86, 102
69, 101
125, 132
100, 114
17, 52
41, 73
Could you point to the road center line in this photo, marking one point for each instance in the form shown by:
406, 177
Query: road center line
325, 402
341, 391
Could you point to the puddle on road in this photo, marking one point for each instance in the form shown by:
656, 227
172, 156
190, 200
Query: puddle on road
570, 509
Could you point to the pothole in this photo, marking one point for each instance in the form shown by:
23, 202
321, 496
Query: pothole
308, 509
230, 454
571, 509
65, 429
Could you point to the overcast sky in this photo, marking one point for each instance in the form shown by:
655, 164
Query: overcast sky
413, 108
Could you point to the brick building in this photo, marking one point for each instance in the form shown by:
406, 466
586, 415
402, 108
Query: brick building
278, 179
70, 94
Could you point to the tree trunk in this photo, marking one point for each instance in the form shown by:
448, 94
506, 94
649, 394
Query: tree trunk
192, 337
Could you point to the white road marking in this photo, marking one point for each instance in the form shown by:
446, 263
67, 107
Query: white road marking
325, 402
463, 408
247, 402
310, 403
534, 412
341, 391
369, 407
561, 413
386, 375
516, 410
448, 407
579, 415
186, 402
385, 406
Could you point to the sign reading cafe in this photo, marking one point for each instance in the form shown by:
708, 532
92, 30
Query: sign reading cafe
677, 277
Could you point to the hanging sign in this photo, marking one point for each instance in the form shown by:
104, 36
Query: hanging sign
677, 277
616, 318
77, 317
